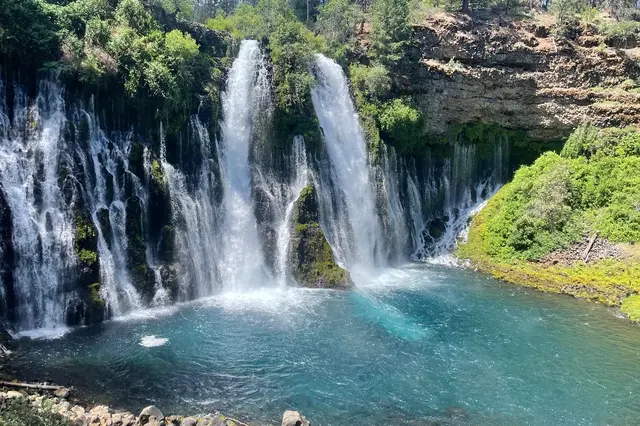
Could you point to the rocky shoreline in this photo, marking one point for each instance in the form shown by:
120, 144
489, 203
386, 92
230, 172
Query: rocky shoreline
57, 407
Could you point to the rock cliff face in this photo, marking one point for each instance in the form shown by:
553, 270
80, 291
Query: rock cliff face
517, 75
312, 261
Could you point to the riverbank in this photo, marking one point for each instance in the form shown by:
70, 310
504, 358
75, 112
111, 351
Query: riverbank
609, 282
58, 407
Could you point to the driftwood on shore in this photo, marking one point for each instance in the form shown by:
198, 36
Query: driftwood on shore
34, 386
585, 255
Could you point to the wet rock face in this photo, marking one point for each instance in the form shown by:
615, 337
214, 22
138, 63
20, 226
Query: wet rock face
516, 75
6, 260
311, 257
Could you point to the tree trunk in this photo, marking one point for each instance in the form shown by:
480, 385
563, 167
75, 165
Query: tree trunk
465, 6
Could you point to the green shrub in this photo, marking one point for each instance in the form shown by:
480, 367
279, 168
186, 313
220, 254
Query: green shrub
588, 140
28, 32
401, 124
623, 31
373, 82
593, 186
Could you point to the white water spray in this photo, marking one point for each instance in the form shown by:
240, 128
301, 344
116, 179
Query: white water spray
42, 223
350, 217
242, 263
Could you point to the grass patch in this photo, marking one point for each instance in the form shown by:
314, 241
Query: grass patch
631, 307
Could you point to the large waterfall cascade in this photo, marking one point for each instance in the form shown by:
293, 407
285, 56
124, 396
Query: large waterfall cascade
347, 192
242, 266
231, 214
42, 226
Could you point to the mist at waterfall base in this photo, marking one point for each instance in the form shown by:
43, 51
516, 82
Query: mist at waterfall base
420, 343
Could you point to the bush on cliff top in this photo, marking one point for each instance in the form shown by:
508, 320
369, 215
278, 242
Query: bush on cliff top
593, 186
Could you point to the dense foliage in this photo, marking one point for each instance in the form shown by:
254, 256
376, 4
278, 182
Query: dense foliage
592, 186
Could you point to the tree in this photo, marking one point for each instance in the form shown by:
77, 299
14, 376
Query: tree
337, 20
390, 28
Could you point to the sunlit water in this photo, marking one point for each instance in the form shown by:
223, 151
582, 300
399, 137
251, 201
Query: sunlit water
420, 344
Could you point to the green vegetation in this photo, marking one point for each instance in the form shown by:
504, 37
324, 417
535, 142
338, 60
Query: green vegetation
390, 29
631, 307
86, 242
312, 260
94, 296
19, 412
593, 186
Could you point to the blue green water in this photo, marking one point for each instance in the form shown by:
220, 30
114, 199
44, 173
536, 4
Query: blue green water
419, 344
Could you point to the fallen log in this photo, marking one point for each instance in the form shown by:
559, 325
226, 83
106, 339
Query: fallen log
35, 386
585, 255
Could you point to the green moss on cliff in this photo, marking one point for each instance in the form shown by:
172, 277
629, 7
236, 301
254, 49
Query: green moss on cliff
558, 201
141, 274
95, 300
311, 256
86, 244
314, 266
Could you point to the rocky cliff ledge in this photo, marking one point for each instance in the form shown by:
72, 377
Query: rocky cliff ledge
517, 75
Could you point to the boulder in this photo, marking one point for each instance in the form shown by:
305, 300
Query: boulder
210, 421
62, 392
123, 419
14, 394
100, 416
173, 421
154, 421
188, 421
294, 418
147, 413
311, 257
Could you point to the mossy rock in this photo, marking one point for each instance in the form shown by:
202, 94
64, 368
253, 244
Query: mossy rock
141, 275
307, 206
95, 310
169, 276
311, 257
136, 160
159, 213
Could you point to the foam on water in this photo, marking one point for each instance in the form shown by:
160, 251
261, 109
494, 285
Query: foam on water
44, 333
152, 341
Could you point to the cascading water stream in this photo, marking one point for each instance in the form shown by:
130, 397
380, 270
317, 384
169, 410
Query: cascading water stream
346, 192
242, 260
103, 160
198, 236
300, 180
41, 221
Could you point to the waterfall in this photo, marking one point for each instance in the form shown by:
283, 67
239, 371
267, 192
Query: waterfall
346, 193
197, 221
288, 200
42, 223
105, 168
465, 184
242, 263
227, 199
